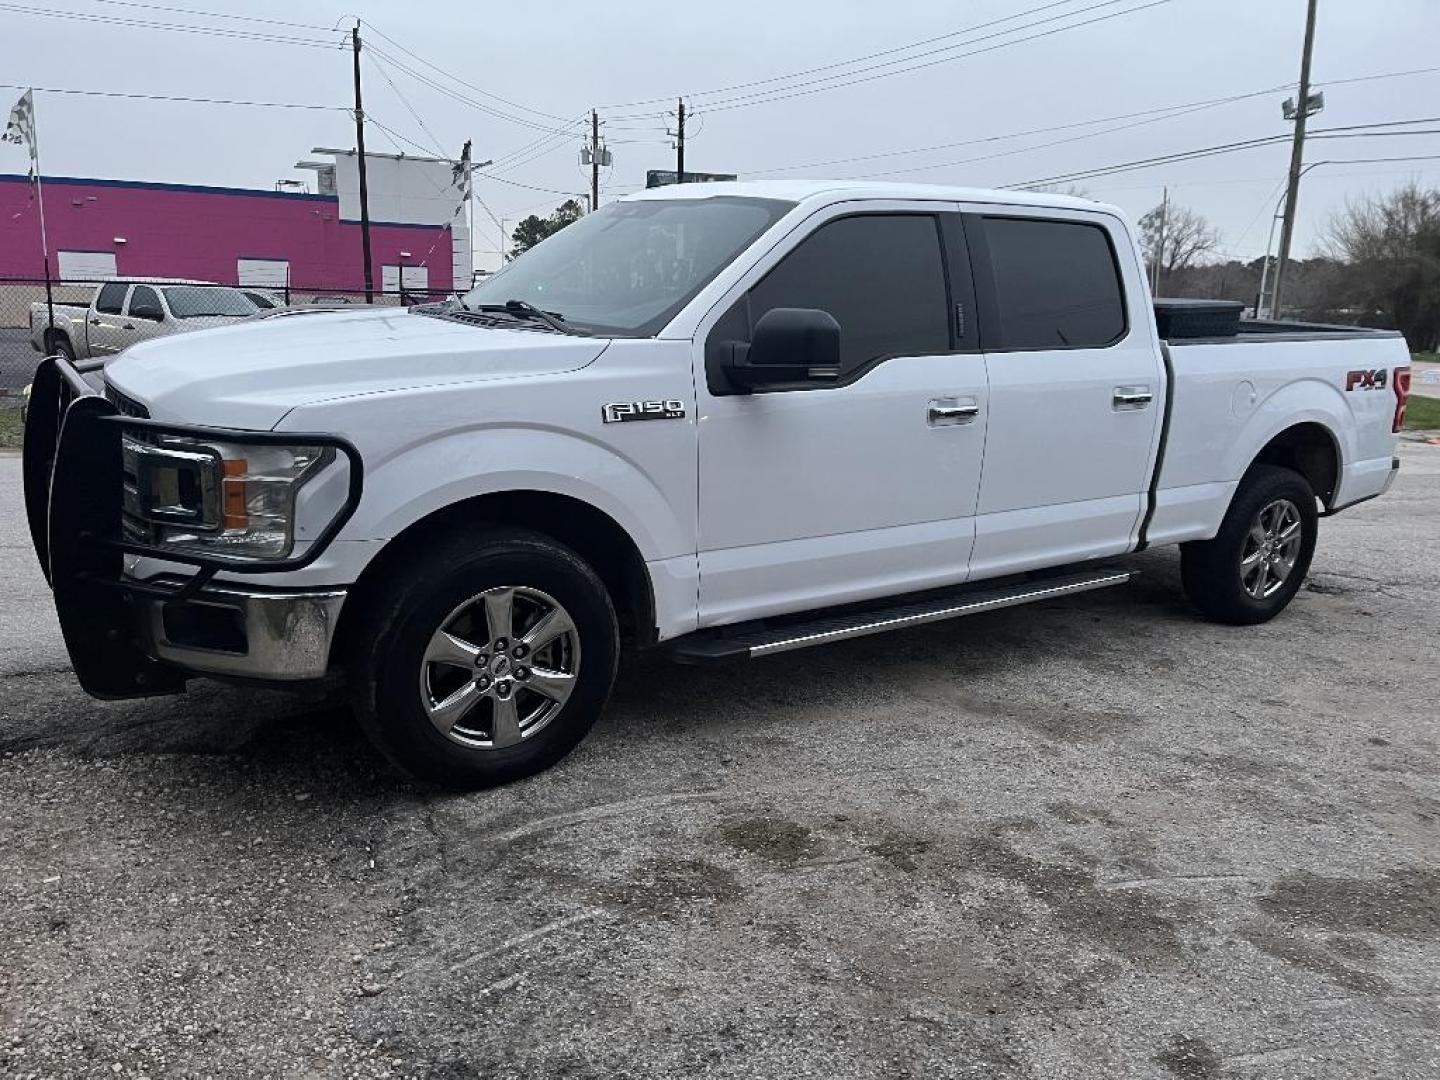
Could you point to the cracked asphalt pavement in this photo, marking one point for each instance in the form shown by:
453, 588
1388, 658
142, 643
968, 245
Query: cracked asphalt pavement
1097, 837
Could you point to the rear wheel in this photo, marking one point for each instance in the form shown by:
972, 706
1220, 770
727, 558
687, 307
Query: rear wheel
489, 667
1258, 560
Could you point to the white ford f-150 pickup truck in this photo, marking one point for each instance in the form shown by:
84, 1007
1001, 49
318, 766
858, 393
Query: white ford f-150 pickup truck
734, 419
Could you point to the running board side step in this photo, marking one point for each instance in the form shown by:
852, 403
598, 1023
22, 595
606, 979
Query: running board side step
750, 640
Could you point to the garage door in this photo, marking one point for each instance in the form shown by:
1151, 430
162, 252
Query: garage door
87, 265
263, 273
417, 278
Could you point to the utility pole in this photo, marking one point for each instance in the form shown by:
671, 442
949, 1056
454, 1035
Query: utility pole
680, 143
1297, 155
1160, 245
364, 187
594, 161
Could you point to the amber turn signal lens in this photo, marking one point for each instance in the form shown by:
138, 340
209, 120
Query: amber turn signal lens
236, 514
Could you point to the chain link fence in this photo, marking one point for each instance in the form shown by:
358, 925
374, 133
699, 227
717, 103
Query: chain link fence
27, 333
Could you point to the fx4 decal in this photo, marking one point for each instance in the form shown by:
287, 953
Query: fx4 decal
1365, 380
620, 412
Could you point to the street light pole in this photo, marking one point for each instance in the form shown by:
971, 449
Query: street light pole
1260, 310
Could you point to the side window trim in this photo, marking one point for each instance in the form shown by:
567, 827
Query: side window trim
987, 300
959, 288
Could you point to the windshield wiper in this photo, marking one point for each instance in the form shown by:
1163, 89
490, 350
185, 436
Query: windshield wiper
525, 309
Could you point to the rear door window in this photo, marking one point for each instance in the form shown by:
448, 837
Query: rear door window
1057, 285
111, 297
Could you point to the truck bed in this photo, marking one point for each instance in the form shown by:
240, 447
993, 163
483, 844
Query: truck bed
1229, 396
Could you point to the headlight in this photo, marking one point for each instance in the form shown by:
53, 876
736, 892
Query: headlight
226, 499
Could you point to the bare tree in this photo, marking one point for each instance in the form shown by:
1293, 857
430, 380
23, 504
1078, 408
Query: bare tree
1188, 238
1392, 246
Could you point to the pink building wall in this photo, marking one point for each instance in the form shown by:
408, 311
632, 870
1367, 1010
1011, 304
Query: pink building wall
177, 230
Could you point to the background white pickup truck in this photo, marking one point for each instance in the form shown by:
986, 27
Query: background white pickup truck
736, 419
123, 312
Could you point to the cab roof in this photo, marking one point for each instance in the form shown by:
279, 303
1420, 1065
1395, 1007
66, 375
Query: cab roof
801, 191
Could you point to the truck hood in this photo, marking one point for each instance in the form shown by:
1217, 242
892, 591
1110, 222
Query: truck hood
250, 375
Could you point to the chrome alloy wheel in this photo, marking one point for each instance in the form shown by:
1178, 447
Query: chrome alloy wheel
1270, 549
500, 667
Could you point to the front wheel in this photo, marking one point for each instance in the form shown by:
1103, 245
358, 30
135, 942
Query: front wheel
490, 663
60, 345
1257, 561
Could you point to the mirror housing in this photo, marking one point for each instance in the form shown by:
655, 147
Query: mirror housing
151, 312
789, 345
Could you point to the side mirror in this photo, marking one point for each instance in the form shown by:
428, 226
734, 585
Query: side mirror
790, 345
146, 311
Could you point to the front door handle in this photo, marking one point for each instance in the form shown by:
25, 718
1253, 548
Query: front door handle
1132, 397
948, 411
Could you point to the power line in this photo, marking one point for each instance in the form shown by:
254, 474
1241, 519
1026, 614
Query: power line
184, 28
172, 97
876, 73
1349, 131
844, 63
1170, 111
468, 85
845, 79
489, 110
215, 15
406, 102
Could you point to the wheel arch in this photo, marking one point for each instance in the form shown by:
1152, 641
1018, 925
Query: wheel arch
590, 532
54, 335
1310, 448
586, 530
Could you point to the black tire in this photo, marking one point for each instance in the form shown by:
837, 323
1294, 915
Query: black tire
1211, 570
388, 657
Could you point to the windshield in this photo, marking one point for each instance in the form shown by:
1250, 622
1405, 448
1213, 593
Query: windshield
629, 267
198, 301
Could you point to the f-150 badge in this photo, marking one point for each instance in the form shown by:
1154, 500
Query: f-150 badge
620, 412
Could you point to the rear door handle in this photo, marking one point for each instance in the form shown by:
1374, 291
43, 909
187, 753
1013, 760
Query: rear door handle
1132, 397
944, 412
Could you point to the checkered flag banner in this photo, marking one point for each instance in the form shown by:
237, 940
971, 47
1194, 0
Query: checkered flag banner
21, 128
460, 173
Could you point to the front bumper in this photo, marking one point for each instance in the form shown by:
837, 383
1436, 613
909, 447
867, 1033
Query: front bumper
241, 633
132, 638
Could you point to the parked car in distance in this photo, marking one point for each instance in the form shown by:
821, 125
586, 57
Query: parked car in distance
125, 311
729, 420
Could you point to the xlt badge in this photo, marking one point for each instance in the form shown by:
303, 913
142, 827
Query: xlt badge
620, 412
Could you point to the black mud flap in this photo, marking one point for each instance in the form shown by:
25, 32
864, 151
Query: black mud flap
74, 515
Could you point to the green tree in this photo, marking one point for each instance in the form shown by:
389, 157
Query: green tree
531, 230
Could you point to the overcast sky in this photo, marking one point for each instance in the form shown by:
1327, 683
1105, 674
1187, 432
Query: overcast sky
555, 61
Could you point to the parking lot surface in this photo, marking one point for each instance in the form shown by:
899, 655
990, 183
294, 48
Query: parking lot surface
1098, 837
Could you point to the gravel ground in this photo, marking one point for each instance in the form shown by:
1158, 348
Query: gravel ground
1092, 838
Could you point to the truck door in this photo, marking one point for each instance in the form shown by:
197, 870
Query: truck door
145, 315
103, 330
861, 486
1075, 388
